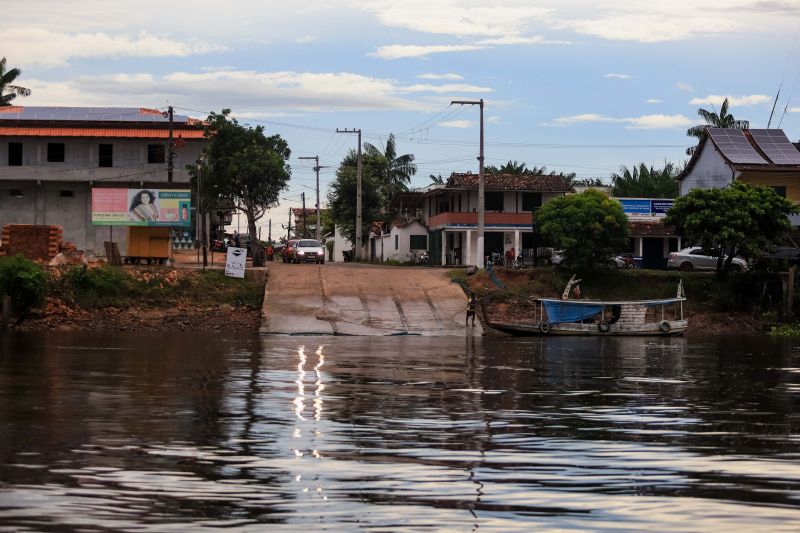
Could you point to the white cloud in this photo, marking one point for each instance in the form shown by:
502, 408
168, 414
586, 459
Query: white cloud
519, 40
454, 17
494, 119
683, 86
41, 47
647, 27
457, 124
616, 75
306, 39
448, 76
794, 110
746, 100
398, 51
658, 122
642, 122
244, 91
653, 101
447, 88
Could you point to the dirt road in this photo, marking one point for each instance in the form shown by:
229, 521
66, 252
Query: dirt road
357, 299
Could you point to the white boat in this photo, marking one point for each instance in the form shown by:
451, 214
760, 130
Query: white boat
564, 316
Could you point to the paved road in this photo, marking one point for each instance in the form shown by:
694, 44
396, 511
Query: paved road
357, 299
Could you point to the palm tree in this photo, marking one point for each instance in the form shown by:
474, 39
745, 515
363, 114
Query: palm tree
437, 180
395, 171
8, 91
644, 182
721, 120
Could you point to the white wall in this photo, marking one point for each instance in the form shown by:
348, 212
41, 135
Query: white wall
340, 244
710, 171
403, 250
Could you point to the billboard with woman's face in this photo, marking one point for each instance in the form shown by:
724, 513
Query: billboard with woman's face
141, 207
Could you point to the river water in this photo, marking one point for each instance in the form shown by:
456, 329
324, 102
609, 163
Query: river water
145, 432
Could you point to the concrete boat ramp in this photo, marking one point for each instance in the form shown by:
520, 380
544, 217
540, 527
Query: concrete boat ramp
359, 299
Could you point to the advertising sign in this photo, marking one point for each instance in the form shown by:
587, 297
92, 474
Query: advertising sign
660, 207
235, 262
141, 207
635, 207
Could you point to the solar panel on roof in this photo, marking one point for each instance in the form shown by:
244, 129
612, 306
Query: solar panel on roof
776, 146
735, 146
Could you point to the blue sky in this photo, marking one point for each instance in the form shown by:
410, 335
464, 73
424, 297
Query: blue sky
577, 86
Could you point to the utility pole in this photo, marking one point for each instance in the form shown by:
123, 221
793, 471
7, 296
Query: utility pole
357, 244
289, 227
269, 232
170, 148
305, 224
316, 169
481, 185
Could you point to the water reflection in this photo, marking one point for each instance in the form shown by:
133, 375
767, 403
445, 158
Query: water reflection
143, 432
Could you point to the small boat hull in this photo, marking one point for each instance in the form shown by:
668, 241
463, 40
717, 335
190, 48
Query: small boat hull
664, 328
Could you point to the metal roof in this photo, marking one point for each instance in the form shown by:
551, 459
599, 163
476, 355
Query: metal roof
87, 114
129, 133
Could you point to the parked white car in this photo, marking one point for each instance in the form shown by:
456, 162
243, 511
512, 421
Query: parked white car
695, 258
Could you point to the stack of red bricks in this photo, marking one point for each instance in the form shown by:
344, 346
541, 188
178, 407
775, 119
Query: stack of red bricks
32, 241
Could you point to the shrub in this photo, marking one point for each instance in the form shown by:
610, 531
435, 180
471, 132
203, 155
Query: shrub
98, 287
24, 281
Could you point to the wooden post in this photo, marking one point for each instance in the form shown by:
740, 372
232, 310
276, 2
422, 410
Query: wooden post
790, 292
6, 303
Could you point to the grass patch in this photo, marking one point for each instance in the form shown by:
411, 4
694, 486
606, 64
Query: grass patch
110, 286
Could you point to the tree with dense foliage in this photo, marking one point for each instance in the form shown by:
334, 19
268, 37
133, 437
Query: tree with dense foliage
738, 220
644, 182
243, 164
9, 91
590, 227
24, 282
713, 120
393, 171
521, 169
343, 190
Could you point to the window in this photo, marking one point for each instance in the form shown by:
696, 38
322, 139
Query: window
780, 190
106, 155
15, 154
66, 193
419, 242
55, 152
493, 201
15, 193
397, 242
531, 201
156, 154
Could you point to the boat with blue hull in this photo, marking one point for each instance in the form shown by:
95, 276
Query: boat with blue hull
565, 316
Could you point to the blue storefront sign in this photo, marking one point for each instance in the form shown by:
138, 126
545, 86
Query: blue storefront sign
660, 207
641, 207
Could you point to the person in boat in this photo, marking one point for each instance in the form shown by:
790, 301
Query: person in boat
472, 305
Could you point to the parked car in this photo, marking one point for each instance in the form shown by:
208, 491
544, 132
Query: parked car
695, 258
308, 250
288, 251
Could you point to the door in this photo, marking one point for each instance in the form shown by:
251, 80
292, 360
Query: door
653, 253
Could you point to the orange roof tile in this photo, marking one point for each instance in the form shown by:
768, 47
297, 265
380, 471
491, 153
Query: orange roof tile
145, 133
11, 109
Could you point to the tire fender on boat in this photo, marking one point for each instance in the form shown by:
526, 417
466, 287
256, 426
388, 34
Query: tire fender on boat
603, 326
665, 326
544, 327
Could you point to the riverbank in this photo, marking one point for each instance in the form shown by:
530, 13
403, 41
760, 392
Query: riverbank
712, 307
147, 299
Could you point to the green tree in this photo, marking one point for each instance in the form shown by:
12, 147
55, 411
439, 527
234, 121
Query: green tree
9, 91
393, 171
24, 282
738, 220
342, 195
521, 169
723, 119
246, 166
438, 180
590, 227
644, 182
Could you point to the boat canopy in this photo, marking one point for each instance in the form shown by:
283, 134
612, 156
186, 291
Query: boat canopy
559, 311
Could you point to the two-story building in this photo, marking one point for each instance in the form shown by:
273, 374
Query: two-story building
755, 156
52, 157
448, 213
